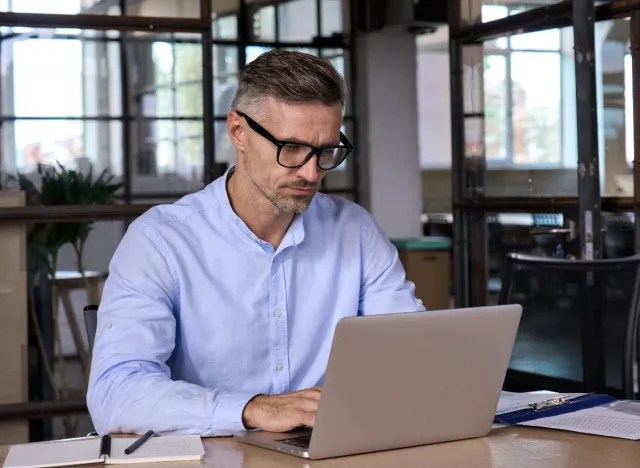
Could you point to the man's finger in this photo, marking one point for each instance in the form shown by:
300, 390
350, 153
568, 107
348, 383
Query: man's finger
307, 404
312, 394
307, 418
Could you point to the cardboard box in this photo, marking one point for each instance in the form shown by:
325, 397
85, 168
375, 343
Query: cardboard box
14, 321
427, 263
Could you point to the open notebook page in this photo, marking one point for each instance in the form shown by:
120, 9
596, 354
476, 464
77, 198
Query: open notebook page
157, 449
55, 453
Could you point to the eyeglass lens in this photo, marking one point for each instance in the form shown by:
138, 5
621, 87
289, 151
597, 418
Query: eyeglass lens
292, 155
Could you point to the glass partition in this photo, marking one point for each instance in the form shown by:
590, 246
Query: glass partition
521, 130
615, 102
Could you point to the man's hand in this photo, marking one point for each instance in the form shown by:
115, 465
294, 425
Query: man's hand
282, 413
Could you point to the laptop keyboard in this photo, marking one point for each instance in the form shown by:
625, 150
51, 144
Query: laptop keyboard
300, 441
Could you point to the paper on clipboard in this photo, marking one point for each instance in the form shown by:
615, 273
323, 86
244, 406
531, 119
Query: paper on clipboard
609, 420
518, 401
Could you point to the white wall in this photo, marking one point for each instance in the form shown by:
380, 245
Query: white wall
434, 110
388, 131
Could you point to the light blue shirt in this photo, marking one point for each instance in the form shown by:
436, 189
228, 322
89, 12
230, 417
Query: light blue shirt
198, 315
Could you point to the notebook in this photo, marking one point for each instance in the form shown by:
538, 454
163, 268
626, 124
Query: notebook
88, 451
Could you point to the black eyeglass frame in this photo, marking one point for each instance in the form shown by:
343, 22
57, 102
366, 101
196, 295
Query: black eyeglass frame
315, 150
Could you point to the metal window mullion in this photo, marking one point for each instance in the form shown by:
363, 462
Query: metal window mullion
587, 123
183, 40
276, 16
207, 93
127, 157
104, 22
589, 207
354, 164
174, 104
319, 18
243, 33
461, 280
318, 3
634, 26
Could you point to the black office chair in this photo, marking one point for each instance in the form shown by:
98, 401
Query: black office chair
90, 314
617, 235
579, 326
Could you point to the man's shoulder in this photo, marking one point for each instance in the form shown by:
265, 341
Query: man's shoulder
326, 207
181, 211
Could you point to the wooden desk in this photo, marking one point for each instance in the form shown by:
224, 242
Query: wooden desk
507, 447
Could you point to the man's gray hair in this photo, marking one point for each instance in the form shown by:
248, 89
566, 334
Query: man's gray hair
291, 77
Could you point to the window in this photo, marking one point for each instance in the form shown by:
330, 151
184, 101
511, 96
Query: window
264, 24
331, 17
297, 21
172, 94
523, 102
45, 120
225, 27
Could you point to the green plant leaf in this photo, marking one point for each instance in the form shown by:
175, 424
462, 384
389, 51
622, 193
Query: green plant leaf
60, 186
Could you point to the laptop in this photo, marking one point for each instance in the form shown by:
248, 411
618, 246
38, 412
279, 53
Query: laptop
404, 380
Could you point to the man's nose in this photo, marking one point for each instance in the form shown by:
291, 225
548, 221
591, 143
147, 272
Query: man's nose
310, 171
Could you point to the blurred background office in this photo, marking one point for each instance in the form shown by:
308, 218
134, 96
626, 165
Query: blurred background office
484, 131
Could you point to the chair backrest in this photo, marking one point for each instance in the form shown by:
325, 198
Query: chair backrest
617, 236
90, 313
579, 325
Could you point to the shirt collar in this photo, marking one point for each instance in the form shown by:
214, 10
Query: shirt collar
219, 187
294, 235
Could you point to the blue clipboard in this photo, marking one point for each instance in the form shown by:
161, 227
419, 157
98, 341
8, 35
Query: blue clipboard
554, 407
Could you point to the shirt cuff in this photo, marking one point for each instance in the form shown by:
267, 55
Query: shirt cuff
227, 417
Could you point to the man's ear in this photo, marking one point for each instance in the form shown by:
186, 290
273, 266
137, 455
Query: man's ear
237, 131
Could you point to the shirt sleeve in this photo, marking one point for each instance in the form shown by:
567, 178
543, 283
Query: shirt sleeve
384, 288
130, 387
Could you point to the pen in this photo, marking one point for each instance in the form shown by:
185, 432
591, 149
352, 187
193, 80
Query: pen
133, 447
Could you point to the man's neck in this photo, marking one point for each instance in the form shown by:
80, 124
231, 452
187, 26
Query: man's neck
258, 213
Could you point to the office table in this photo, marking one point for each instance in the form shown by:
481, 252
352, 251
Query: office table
505, 447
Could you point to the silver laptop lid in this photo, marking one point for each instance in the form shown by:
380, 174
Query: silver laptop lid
401, 380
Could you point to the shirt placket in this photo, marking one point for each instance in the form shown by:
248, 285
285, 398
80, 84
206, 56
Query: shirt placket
279, 328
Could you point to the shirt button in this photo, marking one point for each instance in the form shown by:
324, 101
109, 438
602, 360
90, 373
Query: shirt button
279, 367
278, 313
419, 301
109, 325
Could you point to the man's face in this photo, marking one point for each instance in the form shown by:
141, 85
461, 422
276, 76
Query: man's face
289, 190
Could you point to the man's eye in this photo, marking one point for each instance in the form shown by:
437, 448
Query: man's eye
292, 146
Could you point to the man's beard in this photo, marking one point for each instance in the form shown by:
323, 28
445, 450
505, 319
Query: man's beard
286, 203
292, 203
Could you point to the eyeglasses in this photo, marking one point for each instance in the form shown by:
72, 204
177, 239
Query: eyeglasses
292, 154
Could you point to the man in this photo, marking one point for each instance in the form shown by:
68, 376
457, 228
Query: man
219, 310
